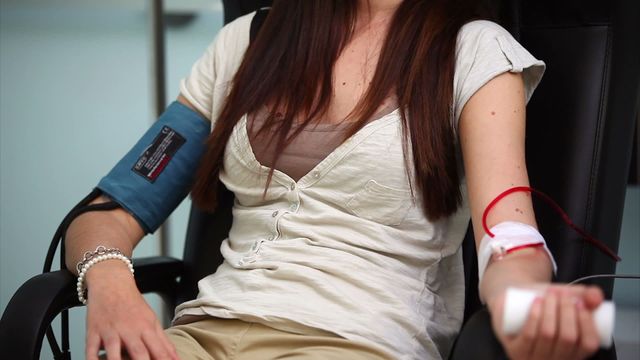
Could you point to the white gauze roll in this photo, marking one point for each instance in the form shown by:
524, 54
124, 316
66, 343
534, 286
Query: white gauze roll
517, 306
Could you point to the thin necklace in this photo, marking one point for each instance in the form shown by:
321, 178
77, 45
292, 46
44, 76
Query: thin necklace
373, 49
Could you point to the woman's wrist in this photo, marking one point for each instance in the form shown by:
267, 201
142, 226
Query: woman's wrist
109, 279
526, 268
108, 271
110, 229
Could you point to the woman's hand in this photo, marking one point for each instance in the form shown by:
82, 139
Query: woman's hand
118, 318
560, 324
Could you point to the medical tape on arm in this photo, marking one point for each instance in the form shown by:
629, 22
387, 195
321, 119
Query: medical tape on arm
509, 236
157, 173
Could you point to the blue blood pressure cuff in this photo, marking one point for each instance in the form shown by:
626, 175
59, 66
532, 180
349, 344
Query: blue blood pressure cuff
157, 174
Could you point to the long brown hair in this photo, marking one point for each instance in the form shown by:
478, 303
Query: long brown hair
293, 58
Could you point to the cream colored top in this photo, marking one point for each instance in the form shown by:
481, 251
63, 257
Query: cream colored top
345, 249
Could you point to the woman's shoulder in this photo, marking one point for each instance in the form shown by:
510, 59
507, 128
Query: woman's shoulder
230, 45
478, 31
237, 31
217, 66
482, 25
484, 49
486, 44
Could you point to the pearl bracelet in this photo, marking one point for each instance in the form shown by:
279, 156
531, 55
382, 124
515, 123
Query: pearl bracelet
91, 258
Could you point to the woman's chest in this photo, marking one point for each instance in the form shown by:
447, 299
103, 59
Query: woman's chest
365, 175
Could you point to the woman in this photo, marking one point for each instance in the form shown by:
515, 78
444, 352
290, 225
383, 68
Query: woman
350, 202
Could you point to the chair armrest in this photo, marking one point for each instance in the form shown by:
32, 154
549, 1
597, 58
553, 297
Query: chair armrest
477, 340
158, 274
39, 300
31, 310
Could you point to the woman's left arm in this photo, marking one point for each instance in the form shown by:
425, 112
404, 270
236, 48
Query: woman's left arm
492, 133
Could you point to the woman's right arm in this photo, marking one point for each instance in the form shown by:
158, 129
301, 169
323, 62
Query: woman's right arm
118, 317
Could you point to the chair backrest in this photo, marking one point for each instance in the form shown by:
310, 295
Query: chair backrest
579, 134
580, 125
236, 8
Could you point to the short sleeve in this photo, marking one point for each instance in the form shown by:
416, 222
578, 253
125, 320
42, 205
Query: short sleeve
206, 85
485, 50
197, 87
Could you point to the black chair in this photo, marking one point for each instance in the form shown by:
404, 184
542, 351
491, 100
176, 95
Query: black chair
580, 125
580, 129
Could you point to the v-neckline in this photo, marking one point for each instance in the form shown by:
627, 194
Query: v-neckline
320, 169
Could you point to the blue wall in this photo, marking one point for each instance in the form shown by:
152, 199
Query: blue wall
74, 96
